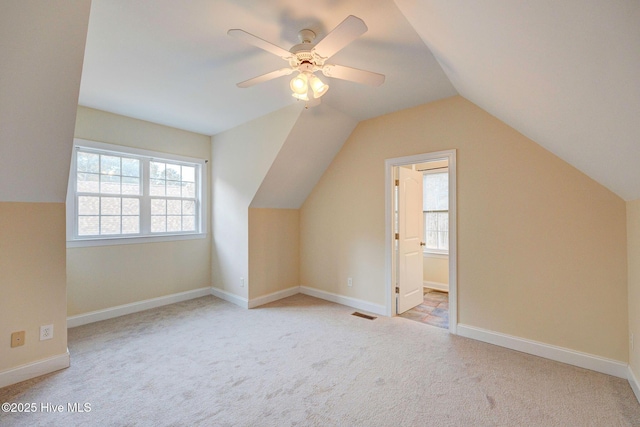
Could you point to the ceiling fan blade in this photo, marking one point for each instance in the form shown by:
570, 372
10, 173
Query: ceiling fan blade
258, 42
263, 78
353, 74
346, 32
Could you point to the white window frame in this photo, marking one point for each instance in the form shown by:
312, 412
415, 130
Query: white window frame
432, 252
145, 235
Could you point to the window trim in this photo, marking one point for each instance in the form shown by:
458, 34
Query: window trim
74, 241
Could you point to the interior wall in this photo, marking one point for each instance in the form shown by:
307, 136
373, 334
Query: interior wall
241, 158
633, 254
32, 266
435, 269
541, 246
42, 51
274, 252
100, 277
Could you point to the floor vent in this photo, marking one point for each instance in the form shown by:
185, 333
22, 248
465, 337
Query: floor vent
364, 316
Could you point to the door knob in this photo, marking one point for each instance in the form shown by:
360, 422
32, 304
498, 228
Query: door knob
423, 244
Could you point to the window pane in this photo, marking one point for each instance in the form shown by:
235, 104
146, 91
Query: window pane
158, 207
174, 223
88, 225
109, 206
443, 240
436, 191
431, 221
156, 170
172, 172
109, 165
173, 188
432, 239
109, 184
88, 205
189, 223
188, 207
157, 187
110, 225
158, 224
130, 224
189, 189
130, 185
188, 174
88, 162
174, 207
130, 207
88, 183
443, 221
130, 167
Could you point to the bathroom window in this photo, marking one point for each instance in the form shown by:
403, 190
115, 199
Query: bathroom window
436, 210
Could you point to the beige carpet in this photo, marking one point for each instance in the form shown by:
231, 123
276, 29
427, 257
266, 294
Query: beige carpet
306, 362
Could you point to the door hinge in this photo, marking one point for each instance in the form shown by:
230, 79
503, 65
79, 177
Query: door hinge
397, 290
397, 182
397, 236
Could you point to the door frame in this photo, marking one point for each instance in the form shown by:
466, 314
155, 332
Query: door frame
389, 165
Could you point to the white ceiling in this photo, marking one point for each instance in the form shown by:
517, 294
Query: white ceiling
172, 62
564, 73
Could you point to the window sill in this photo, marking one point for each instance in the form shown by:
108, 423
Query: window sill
85, 243
437, 255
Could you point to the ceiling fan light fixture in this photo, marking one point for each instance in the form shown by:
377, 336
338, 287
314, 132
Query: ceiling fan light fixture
300, 84
317, 86
301, 97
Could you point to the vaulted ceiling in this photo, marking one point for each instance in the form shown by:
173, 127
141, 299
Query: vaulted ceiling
564, 73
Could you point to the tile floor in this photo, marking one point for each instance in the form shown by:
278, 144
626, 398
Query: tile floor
433, 311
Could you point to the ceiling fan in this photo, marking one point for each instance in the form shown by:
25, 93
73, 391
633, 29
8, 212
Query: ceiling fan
308, 57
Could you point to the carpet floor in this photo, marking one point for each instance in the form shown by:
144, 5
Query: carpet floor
302, 361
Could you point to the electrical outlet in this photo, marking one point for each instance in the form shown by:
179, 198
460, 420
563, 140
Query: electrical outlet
46, 332
242, 282
17, 339
349, 282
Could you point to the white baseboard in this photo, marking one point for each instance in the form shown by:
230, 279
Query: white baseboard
344, 300
232, 298
559, 354
633, 382
121, 310
444, 287
274, 296
34, 369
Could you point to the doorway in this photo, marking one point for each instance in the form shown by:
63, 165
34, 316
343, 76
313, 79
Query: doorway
395, 264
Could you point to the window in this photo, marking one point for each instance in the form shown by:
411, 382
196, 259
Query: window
436, 211
120, 193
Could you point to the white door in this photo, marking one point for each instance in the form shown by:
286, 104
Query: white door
410, 235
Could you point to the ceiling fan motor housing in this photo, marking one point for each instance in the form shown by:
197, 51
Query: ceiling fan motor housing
304, 58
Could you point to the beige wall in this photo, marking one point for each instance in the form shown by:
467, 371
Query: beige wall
274, 253
241, 159
32, 274
541, 247
633, 257
435, 269
101, 277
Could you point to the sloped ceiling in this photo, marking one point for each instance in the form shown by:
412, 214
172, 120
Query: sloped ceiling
309, 149
564, 73
39, 78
